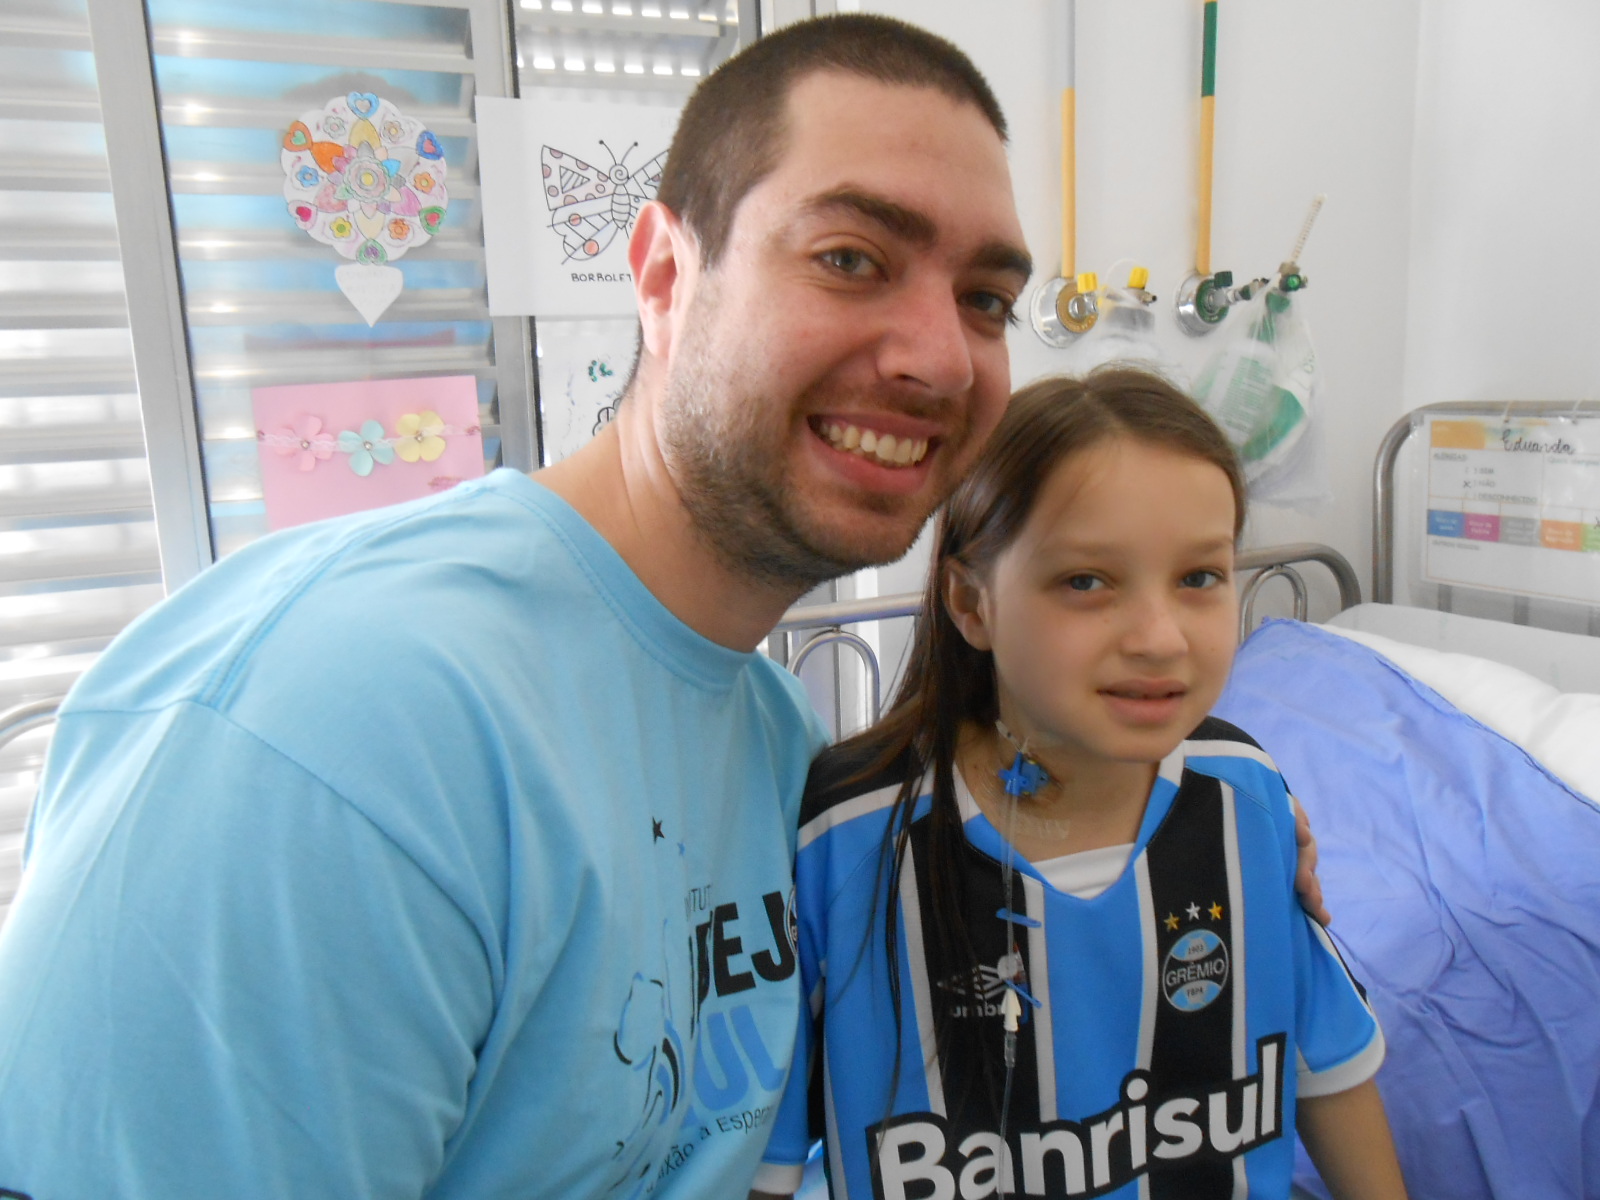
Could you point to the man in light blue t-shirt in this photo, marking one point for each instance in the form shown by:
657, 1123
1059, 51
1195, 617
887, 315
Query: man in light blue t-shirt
446, 850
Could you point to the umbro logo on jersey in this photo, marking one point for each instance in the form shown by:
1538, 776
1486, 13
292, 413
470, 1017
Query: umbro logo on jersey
980, 983
980, 988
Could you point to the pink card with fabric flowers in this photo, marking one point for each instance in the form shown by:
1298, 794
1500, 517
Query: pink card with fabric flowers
333, 448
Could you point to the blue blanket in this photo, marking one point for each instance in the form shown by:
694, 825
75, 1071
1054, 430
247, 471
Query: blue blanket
1464, 881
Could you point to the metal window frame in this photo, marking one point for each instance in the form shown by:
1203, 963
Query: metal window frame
494, 65
120, 32
162, 365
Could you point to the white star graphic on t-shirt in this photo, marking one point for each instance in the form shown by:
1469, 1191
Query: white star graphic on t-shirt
1194, 912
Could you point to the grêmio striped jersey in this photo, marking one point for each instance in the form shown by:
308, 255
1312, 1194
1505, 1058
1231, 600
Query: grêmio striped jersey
1178, 1014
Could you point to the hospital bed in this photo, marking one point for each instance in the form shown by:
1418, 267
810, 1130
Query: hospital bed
1447, 749
1448, 753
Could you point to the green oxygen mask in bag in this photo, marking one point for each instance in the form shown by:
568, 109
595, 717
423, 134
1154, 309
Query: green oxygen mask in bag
1260, 388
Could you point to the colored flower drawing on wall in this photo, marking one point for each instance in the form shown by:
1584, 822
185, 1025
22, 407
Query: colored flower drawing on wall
368, 180
362, 177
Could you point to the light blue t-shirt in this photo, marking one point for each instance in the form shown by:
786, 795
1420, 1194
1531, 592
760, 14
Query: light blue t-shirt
421, 853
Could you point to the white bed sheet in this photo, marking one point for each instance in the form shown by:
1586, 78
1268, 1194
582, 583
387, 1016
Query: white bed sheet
1568, 662
1560, 728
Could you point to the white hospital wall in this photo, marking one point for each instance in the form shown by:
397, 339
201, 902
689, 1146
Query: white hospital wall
1311, 98
1505, 225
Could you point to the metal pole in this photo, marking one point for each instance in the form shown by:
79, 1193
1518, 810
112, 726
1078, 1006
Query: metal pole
1069, 148
1383, 508
494, 67
1208, 137
136, 155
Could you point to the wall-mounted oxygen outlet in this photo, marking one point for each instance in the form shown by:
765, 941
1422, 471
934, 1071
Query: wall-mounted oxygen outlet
1065, 309
1203, 302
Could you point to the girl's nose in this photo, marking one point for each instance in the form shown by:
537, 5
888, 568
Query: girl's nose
1155, 631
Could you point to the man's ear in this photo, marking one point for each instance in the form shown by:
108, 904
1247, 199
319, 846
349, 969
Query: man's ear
965, 600
665, 259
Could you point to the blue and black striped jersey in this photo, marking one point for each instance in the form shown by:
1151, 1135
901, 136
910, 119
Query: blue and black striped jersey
1179, 1012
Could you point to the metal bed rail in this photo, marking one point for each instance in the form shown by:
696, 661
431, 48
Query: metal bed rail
16, 721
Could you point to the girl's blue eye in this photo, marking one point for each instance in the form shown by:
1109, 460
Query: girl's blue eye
1084, 583
1201, 579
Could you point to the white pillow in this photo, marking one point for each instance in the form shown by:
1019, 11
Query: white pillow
1560, 729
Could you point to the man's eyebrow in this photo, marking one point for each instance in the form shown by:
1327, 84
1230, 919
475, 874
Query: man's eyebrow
919, 229
1001, 256
915, 227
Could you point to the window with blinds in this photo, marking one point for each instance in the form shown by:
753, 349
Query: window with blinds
78, 554
261, 301
85, 521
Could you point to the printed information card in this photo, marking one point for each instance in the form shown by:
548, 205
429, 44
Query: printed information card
1514, 506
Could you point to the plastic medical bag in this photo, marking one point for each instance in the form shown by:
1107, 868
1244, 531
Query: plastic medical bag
1261, 387
1124, 334
1125, 330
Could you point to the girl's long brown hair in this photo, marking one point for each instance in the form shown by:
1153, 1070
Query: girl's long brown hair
948, 683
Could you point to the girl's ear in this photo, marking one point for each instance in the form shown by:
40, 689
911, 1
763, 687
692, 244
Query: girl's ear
964, 600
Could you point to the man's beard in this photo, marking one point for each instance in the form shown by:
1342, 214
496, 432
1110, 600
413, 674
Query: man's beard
728, 466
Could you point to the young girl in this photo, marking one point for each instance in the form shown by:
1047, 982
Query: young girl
1047, 918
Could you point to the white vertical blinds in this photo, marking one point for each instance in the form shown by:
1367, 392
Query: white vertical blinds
77, 541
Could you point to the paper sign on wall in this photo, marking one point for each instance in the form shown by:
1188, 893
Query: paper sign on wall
562, 182
328, 449
582, 368
1514, 506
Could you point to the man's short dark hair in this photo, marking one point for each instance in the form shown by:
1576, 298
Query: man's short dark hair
732, 131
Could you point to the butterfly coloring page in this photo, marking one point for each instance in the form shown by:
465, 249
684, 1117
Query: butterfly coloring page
563, 182
591, 205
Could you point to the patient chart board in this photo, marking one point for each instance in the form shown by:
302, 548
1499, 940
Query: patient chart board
1514, 505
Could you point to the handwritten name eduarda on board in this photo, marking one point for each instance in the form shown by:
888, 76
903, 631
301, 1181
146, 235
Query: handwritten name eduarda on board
1512, 440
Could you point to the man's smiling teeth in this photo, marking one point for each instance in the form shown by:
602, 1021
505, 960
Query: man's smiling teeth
885, 447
